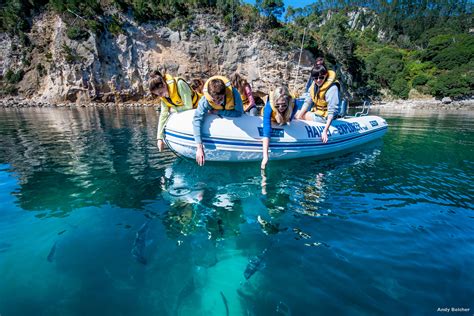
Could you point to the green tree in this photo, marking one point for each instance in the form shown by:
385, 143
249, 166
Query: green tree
384, 66
452, 84
271, 10
271, 7
335, 40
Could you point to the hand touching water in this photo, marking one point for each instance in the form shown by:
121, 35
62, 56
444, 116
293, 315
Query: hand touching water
200, 155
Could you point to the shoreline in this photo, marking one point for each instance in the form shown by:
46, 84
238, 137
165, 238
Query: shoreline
423, 104
18, 103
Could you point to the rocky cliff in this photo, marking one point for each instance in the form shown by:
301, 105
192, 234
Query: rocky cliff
115, 66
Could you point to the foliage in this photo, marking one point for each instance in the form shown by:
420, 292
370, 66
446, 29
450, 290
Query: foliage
77, 33
249, 18
144, 10
40, 69
451, 84
450, 51
400, 88
13, 77
179, 24
269, 8
383, 66
114, 25
13, 19
336, 41
94, 26
70, 55
8, 90
420, 80
85, 8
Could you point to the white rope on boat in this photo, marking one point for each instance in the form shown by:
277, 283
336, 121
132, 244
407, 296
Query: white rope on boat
299, 60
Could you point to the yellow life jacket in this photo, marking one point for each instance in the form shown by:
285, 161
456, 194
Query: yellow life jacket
229, 95
174, 99
199, 95
320, 104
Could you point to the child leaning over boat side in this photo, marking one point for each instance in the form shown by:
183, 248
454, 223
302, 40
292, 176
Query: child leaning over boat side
219, 98
197, 85
322, 99
175, 95
246, 94
280, 109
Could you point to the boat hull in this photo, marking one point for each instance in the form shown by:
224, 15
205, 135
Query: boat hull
240, 139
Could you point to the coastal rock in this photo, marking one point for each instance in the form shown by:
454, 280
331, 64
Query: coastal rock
110, 67
446, 100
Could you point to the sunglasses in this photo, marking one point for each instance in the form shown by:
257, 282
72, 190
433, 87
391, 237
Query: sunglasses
320, 77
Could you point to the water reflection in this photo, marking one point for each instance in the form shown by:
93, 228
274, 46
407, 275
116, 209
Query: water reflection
200, 202
206, 224
67, 159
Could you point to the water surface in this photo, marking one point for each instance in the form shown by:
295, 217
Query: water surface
387, 229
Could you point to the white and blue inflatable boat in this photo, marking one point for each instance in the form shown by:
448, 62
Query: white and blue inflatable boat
240, 139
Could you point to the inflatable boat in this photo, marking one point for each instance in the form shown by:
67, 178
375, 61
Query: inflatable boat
239, 139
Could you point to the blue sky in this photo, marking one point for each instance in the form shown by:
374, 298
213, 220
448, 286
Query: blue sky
295, 4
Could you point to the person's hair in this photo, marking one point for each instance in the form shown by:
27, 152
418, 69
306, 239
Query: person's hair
197, 85
216, 87
155, 73
319, 68
238, 82
277, 93
155, 83
156, 80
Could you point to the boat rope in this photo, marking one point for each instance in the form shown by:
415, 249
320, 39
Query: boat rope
299, 61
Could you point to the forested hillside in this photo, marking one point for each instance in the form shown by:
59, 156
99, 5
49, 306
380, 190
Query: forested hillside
381, 48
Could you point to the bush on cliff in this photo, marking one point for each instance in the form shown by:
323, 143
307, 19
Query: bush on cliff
13, 77
77, 33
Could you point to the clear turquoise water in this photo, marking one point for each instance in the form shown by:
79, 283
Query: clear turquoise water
389, 228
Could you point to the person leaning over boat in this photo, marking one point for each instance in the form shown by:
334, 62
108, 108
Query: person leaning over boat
176, 96
219, 98
279, 109
197, 85
245, 91
322, 99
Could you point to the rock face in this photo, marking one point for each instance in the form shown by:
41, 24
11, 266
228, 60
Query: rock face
115, 67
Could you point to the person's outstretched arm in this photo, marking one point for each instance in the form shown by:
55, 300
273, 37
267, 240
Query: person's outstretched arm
306, 105
332, 97
164, 113
267, 130
199, 114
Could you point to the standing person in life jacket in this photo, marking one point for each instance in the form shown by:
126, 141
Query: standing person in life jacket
175, 95
219, 98
279, 109
322, 99
245, 91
